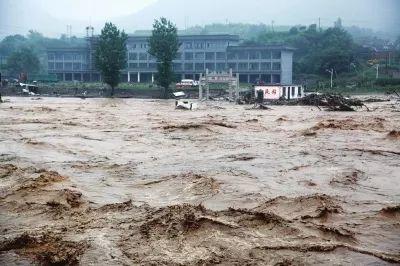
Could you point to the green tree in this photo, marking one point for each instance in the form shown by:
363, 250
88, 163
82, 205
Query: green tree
12, 43
23, 60
164, 47
110, 55
316, 50
337, 50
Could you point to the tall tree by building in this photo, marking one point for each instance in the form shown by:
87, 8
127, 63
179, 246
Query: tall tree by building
164, 47
110, 55
24, 61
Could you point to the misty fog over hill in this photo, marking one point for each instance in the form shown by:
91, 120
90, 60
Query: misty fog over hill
52, 17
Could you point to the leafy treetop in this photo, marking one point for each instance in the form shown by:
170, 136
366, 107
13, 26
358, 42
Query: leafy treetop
164, 47
110, 55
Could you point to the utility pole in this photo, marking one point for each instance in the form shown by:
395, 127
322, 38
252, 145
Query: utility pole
377, 71
319, 24
331, 72
186, 18
69, 32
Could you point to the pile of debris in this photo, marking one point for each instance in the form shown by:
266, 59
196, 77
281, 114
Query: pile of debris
332, 102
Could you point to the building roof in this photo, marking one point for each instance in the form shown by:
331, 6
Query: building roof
228, 37
67, 49
260, 47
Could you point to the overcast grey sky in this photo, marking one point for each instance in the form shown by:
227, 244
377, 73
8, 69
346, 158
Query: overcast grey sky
52, 16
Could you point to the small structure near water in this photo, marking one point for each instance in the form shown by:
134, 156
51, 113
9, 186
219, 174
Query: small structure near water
276, 92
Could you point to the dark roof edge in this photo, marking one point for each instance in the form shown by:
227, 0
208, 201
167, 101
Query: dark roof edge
257, 47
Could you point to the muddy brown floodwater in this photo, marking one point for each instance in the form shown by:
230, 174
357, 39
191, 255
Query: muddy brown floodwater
122, 182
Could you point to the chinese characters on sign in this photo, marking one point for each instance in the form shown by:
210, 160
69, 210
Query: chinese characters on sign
270, 92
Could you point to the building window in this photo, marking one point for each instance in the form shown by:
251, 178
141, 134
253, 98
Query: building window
68, 66
188, 45
60, 76
177, 66
232, 55
95, 77
143, 56
199, 56
265, 66
68, 76
211, 45
142, 65
233, 66
210, 66
84, 66
199, 45
59, 56
67, 57
143, 45
243, 55
50, 56
77, 57
266, 78
77, 76
253, 55
221, 55
188, 56
199, 66
153, 65
254, 66
242, 66
293, 91
77, 66
276, 66
220, 66
265, 55
50, 66
210, 56
276, 55
132, 56
188, 66
59, 66
133, 65
276, 79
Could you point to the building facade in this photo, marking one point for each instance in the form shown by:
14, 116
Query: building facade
271, 64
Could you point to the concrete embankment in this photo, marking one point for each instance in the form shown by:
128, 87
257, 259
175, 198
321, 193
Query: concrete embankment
148, 93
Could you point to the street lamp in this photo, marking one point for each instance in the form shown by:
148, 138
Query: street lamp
331, 72
377, 70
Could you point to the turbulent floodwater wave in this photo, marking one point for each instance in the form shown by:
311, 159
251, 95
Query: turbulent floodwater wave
118, 182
